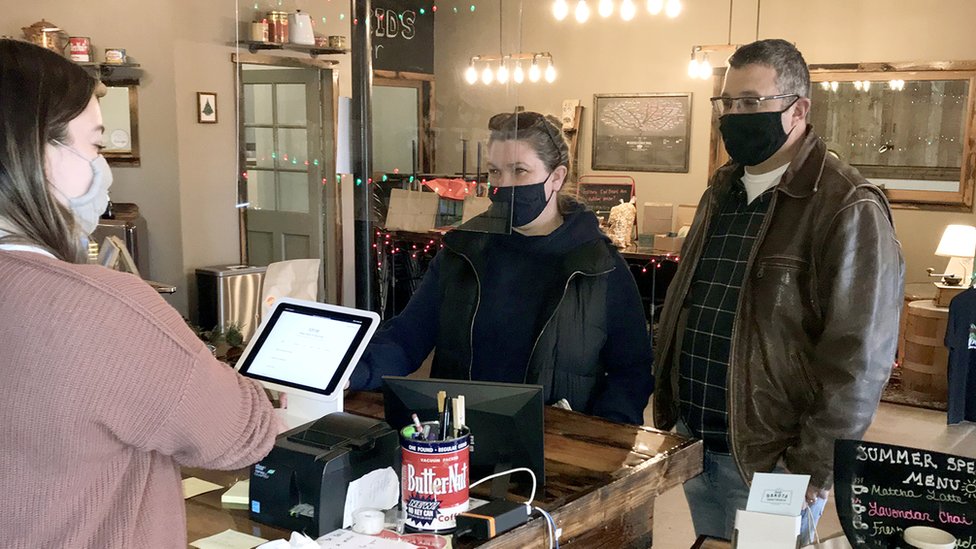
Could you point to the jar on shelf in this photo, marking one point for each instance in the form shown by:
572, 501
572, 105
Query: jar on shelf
278, 27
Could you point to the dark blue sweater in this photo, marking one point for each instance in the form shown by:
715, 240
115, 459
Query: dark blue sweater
509, 319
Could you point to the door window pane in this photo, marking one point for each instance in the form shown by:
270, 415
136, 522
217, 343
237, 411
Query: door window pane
291, 104
293, 149
261, 189
257, 104
394, 128
293, 192
259, 147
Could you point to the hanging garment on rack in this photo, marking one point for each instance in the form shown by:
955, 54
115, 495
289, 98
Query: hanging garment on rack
961, 341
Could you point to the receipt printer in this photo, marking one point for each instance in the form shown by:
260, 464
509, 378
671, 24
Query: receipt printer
301, 485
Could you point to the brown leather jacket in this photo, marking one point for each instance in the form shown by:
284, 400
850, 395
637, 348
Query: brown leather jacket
816, 331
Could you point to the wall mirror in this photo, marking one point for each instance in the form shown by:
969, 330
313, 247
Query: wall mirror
909, 129
120, 114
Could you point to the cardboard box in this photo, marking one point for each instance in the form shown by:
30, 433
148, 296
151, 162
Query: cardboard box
668, 244
657, 218
686, 214
412, 211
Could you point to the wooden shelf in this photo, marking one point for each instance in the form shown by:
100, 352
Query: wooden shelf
313, 51
105, 70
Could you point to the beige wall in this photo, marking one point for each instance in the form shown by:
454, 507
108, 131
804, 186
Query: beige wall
650, 54
154, 185
186, 185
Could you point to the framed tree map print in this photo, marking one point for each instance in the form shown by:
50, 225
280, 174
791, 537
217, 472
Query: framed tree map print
643, 132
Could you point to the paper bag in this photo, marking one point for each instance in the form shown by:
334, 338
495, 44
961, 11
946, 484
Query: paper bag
412, 211
297, 278
475, 206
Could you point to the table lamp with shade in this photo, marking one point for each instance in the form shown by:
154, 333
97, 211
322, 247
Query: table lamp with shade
959, 245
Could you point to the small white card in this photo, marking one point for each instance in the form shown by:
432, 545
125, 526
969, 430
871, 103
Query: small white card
228, 539
347, 539
778, 494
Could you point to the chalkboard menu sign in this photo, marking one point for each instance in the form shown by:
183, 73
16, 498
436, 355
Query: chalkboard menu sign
600, 197
882, 489
403, 36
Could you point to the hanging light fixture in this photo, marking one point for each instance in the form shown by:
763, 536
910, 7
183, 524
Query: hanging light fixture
628, 10
867, 85
502, 68
605, 8
834, 85
654, 7
534, 72
560, 9
673, 8
705, 68
857, 85
471, 75
700, 67
693, 64
518, 75
582, 11
550, 72
502, 73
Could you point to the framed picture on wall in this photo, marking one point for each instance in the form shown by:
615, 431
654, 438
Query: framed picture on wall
206, 107
641, 132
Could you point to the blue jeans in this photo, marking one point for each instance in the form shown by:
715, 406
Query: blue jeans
716, 494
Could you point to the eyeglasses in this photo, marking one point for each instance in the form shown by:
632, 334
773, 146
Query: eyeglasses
746, 104
521, 121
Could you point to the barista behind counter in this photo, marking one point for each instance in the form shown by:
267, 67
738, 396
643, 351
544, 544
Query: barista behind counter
552, 303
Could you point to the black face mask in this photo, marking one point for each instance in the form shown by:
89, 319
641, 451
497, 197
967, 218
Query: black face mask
527, 201
751, 138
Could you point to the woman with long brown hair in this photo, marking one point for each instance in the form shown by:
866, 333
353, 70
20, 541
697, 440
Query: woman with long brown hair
107, 392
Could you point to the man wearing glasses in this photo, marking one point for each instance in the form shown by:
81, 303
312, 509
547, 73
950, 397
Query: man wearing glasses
781, 324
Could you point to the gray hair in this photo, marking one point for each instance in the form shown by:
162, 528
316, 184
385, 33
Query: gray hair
792, 75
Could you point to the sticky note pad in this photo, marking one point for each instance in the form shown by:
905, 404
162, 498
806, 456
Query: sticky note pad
194, 487
237, 497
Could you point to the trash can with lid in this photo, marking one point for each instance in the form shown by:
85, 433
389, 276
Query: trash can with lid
229, 294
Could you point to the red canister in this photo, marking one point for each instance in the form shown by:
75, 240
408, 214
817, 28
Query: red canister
79, 49
434, 480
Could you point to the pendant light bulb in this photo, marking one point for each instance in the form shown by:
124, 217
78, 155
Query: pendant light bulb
672, 8
502, 73
518, 75
867, 85
705, 69
550, 73
693, 67
534, 72
654, 7
471, 75
582, 11
606, 8
628, 10
826, 85
857, 85
834, 85
560, 9
487, 76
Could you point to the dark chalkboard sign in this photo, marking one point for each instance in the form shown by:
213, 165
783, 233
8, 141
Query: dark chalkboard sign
600, 197
882, 489
403, 36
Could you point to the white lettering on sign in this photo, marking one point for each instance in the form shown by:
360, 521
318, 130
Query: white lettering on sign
390, 24
932, 481
896, 457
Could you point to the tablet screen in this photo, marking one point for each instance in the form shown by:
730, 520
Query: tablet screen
305, 347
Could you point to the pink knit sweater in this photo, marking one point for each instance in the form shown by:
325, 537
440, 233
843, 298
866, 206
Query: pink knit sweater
106, 393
